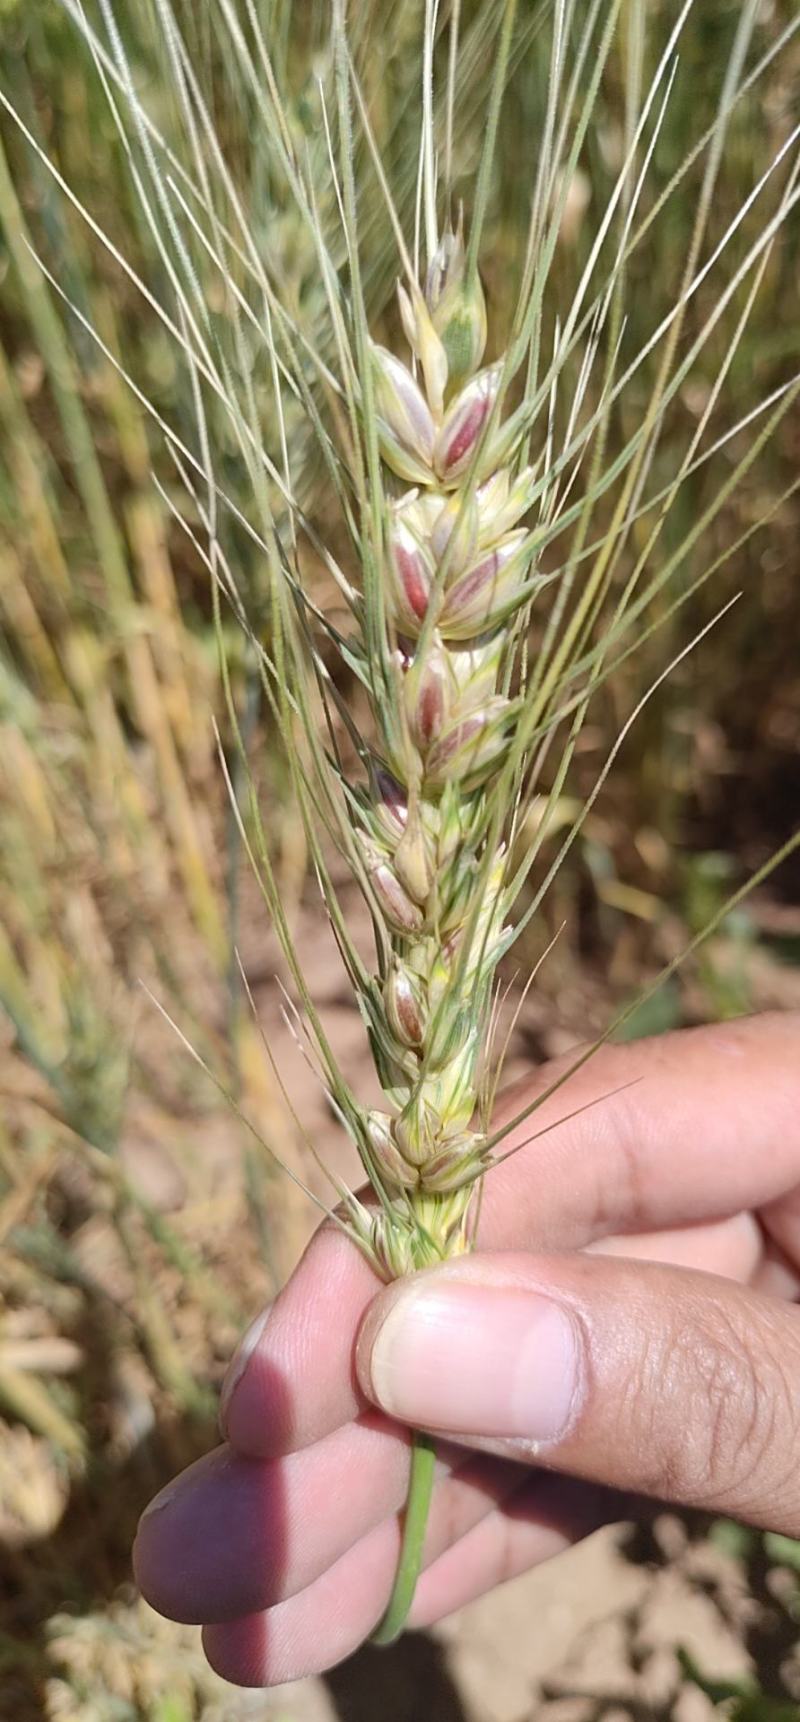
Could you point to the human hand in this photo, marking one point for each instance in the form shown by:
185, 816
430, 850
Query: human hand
649, 1347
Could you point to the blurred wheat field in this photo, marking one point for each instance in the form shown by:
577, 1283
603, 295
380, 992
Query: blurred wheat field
140, 1220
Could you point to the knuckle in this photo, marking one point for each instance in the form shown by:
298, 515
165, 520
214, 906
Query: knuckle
723, 1417
622, 1194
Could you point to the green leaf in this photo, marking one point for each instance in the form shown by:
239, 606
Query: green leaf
785, 1550
719, 1691
168, 1709
655, 1015
761, 1709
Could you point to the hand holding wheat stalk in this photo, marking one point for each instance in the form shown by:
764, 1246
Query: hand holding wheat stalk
503, 563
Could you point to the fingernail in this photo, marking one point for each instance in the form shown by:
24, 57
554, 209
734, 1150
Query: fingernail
478, 1360
238, 1365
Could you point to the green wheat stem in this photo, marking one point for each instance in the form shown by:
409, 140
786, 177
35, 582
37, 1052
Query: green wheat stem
415, 1521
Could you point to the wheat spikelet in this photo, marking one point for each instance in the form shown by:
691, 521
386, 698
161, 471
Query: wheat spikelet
459, 580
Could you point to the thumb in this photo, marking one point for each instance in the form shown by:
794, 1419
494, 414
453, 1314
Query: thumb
649, 1378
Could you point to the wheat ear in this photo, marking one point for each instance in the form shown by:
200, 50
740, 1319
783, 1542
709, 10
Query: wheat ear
460, 576
459, 580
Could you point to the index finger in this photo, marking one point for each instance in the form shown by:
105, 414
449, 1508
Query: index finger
690, 1127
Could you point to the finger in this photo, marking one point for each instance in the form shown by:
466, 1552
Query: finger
733, 1248
644, 1377
271, 1419
708, 1125
292, 1380
781, 1222
777, 1273
312, 1631
233, 1535
704, 1124
329, 1620
532, 1526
